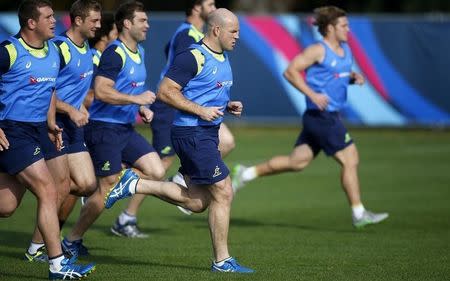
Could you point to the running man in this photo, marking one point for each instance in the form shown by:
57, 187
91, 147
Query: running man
27, 114
328, 73
198, 84
120, 93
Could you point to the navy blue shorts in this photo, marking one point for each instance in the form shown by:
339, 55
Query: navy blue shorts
24, 145
73, 138
197, 148
112, 144
323, 130
161, 126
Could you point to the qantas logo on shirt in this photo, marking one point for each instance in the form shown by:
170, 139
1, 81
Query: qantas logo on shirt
34, 80
224, 84
342, 74
86, 74
135, 84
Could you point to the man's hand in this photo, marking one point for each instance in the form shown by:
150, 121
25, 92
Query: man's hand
84, 110
4, 144
235, 108
357, 78
146, 114
320, 100
147, 97
79, 118
55, 135
210, 113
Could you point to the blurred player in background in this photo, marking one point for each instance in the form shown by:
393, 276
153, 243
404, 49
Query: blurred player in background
328, 73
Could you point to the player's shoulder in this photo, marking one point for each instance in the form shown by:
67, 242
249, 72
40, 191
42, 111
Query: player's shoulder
317, 47
314, 51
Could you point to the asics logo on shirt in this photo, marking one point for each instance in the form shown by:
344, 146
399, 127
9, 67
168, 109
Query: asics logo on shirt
214, 70
28, 65
34, 80
132, 70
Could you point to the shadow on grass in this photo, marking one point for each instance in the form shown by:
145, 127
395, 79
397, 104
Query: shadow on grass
15, 239
21, 276
129, 261
201, 222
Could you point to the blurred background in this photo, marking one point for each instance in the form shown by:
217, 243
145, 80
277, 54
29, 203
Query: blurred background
400, 46
271, 6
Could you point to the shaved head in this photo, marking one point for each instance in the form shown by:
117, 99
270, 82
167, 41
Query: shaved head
223, 30
220, 17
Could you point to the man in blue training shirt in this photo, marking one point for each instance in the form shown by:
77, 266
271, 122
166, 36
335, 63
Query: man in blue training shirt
27, 115
198, 84
103, 36
186, 34
72, 167
328, 74
120, 93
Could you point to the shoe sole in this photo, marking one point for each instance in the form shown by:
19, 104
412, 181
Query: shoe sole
115, 232
366, 223
184, 211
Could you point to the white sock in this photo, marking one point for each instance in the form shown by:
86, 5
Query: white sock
125, 217
358, 211
133, 186
55, 263
34, 247
220, 263
249, 174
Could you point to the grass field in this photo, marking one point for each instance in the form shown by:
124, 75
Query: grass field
286, 227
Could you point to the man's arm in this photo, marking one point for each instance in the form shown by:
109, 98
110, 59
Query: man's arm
104, 90
79, 118
55, 133
311, 55
184, 68
110, 66
5, 56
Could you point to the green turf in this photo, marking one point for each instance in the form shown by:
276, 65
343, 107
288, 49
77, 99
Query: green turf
286, 227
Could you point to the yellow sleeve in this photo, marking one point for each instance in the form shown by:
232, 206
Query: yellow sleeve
200, 58
12, 53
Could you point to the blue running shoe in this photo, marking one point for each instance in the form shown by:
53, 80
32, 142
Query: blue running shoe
74, 248
71, 271
122, 188
231, 265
